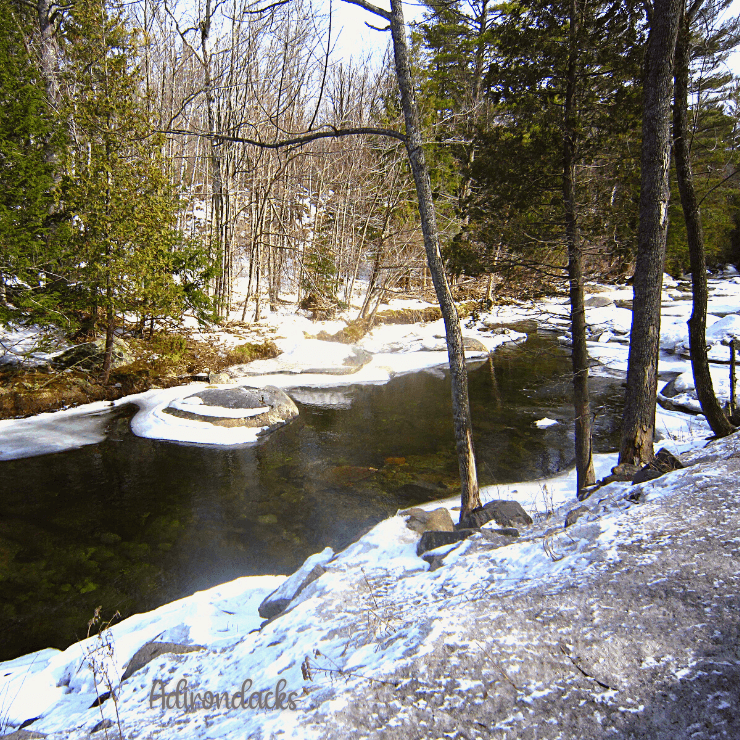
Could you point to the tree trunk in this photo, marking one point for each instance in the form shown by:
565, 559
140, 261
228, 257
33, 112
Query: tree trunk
470, 498
579, 352
713, 412
638, 425
48, 51
110, 325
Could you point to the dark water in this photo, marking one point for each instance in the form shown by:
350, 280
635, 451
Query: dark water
131, 523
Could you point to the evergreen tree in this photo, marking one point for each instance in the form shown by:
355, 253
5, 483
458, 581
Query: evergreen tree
554, 87
26, 177
119, 200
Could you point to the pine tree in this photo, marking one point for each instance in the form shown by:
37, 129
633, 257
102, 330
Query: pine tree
553, 87
120, 202
26, 177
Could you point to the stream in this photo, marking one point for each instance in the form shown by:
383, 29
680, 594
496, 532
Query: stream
130, 523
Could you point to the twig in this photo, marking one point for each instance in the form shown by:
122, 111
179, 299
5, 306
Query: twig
576, 661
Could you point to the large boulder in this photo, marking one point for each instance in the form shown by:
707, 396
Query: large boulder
663, 462
277, 602
267, 407
90, 355
598, 301
422, 521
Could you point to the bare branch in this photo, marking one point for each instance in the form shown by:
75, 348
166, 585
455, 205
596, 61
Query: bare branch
333, 133
374, 9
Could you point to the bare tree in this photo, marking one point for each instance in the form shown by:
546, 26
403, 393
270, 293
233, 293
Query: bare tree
470, 497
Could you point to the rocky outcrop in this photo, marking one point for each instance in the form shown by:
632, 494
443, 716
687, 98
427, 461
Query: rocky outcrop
151, 650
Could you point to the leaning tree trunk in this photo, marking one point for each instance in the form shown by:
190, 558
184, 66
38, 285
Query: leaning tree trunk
579, 353
713, 412
470, 498
638, 424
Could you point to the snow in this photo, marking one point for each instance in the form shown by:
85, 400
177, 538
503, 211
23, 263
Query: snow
308, 367
376, 609
54, 432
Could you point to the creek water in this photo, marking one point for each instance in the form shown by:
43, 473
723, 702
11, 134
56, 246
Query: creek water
130, 523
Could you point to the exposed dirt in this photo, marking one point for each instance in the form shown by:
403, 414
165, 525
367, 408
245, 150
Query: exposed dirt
163, 361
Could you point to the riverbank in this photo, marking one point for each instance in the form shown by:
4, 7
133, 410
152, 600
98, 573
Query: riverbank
624, 624
314, 354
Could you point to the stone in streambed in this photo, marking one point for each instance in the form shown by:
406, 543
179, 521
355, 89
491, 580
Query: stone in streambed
267, 407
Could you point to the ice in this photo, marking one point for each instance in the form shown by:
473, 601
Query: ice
54, 432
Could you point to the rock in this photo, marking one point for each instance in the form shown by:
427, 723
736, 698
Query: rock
664, 462
311, 356
435, 562
104, 724
90, 355
424, 521
267, 407
598, 301
474, 345
24, 735
500, 537
146, 653
621, 473
432, 540
504, 513
277, 602
219, 378
575, 514
395, 460
346, 476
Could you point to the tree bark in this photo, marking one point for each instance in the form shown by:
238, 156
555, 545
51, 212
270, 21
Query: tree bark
638, 425
713, 412
470, 497
579, 353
